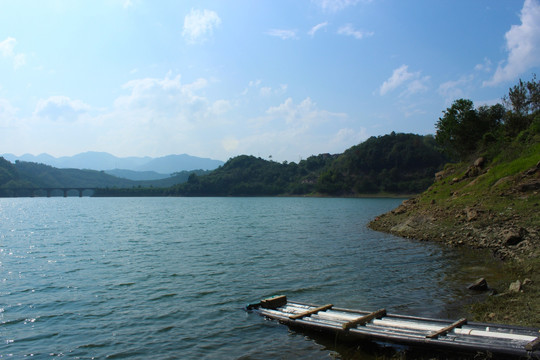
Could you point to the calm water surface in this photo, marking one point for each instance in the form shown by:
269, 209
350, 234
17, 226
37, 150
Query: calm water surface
167, 278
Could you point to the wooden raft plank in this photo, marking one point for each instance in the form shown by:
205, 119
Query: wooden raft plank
445, 330
533, 345
274, 302
310, 312
362, 320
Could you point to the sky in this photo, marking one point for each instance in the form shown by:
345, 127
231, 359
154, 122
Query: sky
276, 79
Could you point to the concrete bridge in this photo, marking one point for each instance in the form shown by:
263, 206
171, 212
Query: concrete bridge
33, 192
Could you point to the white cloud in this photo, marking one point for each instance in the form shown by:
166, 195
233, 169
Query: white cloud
199, 25
165, 115
265, 90
19, 60
317, 28
409, 111
283, 34
416, 86
152, 116
7, 112
255, 82
230, 144
252, 84
349, 30
170, 113
337, 5
305, 113
7, 49
167, 96
485, 66
346, 138
292, 130
452, 90
292, 112
523, 45
198, 84
220, 107
60, 108
401, 77
7, 46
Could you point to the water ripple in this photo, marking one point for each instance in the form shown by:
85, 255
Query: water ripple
161, 297
167, 278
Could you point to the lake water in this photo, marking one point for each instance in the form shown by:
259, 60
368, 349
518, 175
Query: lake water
167, 278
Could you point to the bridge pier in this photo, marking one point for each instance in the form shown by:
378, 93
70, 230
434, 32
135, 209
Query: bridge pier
36, 192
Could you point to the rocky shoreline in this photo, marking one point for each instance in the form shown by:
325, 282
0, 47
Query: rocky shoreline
509, 234
459, 210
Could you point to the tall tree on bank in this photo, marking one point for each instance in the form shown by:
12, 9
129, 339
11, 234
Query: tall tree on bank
456, 131
463, 129
524, 101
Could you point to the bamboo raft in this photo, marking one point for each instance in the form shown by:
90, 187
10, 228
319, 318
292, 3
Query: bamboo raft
447, 335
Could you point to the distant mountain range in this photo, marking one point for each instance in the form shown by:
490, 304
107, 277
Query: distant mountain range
154, 168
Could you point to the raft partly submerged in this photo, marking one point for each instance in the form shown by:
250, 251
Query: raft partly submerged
447, 335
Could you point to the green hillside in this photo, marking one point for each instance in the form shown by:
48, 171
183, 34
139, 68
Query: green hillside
10, 177
479, 203
251, 176
41, 175
30, 175
394, 164
391, 164
488, 198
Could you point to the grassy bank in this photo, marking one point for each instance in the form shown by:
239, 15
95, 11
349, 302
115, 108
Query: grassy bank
487, 203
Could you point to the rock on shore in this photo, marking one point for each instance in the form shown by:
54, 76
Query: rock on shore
472, 207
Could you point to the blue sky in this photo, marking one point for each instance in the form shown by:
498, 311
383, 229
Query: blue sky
218, 79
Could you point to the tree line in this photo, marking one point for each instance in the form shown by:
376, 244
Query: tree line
394, 163
465, 131
31, 175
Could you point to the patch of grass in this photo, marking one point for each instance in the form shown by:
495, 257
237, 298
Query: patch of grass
480, 191
504, 169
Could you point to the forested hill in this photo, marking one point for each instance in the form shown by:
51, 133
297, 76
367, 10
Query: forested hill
395, 163
32, 175
251, 176
9, 176
392, 164
24, 174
